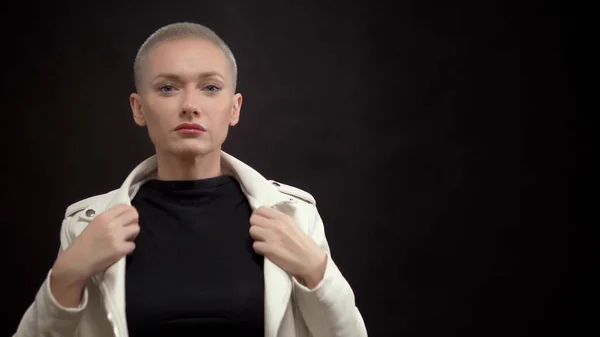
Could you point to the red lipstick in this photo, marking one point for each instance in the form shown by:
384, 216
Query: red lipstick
190, 128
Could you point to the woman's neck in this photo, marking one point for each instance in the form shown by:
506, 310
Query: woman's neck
171, 167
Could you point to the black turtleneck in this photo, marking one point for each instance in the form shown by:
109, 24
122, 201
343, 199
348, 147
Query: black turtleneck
194, 272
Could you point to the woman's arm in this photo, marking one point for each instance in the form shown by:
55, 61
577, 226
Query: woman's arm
56, 309
328, 309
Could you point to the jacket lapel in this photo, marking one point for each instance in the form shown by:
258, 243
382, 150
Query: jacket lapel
114, 276
259, 191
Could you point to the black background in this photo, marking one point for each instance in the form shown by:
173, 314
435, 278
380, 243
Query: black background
435, 136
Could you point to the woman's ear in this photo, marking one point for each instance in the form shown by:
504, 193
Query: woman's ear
135, 101
236, 108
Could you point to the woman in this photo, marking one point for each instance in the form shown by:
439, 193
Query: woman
194, 242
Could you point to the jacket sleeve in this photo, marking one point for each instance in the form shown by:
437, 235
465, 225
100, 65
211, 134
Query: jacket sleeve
45, 317
329, 310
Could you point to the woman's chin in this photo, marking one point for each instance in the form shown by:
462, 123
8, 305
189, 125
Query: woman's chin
189, 151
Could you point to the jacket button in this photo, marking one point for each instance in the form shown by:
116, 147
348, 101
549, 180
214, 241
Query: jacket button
90, 213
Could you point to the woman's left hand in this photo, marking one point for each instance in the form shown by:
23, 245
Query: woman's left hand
278, 238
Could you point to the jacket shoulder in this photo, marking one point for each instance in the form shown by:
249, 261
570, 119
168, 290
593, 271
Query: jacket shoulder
294, 192
82, 204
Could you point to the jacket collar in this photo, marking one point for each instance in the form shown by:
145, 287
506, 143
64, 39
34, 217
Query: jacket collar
258, 190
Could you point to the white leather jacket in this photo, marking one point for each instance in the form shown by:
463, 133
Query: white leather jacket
291, 310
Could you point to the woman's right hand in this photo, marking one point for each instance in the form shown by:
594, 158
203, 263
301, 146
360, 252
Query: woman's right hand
103, 242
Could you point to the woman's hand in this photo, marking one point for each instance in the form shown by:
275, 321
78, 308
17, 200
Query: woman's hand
278, 238
103, 242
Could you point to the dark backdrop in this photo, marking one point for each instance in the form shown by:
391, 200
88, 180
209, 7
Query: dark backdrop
434, 135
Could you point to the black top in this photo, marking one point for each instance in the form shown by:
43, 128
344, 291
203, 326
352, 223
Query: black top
194, 272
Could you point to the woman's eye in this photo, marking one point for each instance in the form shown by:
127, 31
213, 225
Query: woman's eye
211, 88
166, 88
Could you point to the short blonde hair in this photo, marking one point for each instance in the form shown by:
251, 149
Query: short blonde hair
176, 31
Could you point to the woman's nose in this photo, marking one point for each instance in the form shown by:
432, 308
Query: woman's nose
190, 105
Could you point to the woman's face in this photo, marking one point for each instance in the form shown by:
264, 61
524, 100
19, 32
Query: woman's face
186, 81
